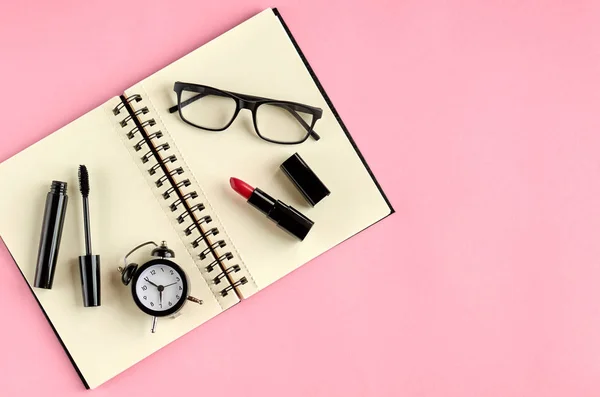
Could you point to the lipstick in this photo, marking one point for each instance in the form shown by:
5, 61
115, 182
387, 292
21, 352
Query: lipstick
286, 216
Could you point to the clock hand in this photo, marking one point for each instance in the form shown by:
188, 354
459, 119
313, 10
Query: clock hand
168, 285
160, 297
148, 280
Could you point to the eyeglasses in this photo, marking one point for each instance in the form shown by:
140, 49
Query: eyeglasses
275, 121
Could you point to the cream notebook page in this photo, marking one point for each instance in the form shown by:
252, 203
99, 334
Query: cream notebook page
105, 340
258, 58
127, 208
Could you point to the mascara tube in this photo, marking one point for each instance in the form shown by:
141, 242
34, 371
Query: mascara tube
54, 217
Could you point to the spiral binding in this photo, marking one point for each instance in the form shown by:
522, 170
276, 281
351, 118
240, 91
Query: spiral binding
176, 203
227, 255
232, 269
238, 283
174, 192
211, 232
127, 119
171, 159
197, 207
177, 171
120, 106
138, 146
147, 123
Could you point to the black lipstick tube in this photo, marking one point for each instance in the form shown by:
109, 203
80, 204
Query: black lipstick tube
286, 217
52, 225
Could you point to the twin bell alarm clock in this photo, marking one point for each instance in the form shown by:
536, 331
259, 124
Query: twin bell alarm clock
159, 287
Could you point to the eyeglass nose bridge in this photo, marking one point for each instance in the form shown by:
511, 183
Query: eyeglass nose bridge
247, 104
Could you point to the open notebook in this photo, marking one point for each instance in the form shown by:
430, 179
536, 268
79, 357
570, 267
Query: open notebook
257, 57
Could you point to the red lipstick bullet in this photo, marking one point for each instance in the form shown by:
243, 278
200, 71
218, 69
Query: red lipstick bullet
241, 187
286, 217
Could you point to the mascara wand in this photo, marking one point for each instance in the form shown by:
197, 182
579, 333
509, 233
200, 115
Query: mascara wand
84, 187
89, 265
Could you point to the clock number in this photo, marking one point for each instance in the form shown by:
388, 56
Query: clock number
177, 296
152, 304
144, 287
171, 271
145, 297
180, 288
146, 279
163, 270
170, 304
160, 305
177, 278
153, 272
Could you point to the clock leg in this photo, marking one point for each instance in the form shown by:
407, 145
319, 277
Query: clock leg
195, 300
153, 324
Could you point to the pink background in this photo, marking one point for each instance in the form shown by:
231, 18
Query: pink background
482, 123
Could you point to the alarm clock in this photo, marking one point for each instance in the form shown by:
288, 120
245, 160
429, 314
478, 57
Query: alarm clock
159, 287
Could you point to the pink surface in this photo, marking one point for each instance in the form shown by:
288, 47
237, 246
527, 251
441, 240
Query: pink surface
482, 124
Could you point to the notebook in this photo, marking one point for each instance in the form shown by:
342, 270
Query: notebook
258, 57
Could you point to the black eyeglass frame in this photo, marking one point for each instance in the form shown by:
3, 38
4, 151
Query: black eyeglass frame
251, 103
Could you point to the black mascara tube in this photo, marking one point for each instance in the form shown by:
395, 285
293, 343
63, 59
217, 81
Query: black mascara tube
54, 217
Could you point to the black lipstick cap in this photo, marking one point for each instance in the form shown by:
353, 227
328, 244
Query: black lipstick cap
52, 225
89, 268
305, 179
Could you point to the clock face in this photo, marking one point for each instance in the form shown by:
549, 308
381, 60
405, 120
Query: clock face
159, 287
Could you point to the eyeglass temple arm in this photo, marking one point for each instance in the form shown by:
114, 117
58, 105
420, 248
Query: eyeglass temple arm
304, 124
183, 104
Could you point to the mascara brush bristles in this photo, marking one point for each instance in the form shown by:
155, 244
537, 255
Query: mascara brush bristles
84, 181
